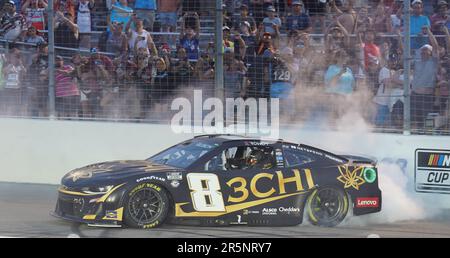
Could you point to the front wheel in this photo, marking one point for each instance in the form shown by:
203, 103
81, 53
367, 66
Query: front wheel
146, 206
327, 206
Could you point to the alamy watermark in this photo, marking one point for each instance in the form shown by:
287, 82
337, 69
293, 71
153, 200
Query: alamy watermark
236, 116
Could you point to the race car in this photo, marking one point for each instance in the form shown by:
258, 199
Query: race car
220, 180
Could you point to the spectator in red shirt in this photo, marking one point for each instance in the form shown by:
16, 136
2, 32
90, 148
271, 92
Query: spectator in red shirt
371, 50
34, 11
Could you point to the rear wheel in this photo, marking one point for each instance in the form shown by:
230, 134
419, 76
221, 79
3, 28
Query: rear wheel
146, 206
327, 206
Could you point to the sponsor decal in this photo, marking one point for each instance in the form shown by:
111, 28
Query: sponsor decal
432, 171
248, 212
150, 178
351, 177
175, 176
269, 211
175, 183
289, 210
367, 202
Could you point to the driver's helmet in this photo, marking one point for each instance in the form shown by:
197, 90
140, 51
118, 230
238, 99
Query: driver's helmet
254, 158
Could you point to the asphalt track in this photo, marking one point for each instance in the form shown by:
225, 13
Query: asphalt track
25, 208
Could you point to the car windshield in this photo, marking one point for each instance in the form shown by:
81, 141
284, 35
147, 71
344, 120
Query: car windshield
183, 155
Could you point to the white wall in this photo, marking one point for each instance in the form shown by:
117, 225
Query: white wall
40, 151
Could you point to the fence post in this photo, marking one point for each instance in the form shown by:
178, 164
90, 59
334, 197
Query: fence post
219, 87
51, 61
407, 69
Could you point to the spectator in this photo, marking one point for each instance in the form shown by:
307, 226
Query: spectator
84, 23
339, 77
382, 19
146, 11
32, 37
363, 21
228, 43
272, 23
14, 74
66, 90
117, 41
140, 38
66, 31
168, 17
34, 10
64, 6
345, 15
129, 100
244, 17
98, 59
336, 38
418, 22
144, 75
282, 75
257, 9
190, 38
227, 17
12, 24
424, 82
204, 68
234, 75
317, 10
38, 76
371, 50
298, 21
397, 18
440, 18
245, 43
120, 12
162, 87
182, 68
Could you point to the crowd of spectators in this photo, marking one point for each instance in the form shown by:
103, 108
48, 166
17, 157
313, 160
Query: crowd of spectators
149, 50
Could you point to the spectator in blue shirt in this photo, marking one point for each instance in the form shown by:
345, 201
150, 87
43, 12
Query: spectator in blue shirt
145, 10
190, 37
120, 12
298, 21
418, 22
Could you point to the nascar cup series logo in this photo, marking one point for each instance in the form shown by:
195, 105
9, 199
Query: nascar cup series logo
432, 171
249, 116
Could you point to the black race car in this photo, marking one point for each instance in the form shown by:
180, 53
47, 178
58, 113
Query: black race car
222, 180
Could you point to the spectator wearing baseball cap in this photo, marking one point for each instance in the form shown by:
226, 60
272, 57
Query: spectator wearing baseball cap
298, 20
272, 23
12, 24
424, 82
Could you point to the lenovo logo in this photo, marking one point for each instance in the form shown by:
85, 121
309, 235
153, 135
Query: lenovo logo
367, 202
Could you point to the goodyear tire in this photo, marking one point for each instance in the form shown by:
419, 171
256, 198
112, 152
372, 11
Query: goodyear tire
327, 206
146, 206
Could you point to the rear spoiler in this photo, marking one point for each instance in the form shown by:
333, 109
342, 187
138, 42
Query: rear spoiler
358, 160
343, 159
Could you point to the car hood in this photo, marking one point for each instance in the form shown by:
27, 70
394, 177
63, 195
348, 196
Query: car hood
111, 172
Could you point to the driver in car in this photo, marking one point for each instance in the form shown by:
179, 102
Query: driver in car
259, 159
